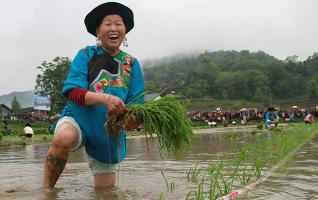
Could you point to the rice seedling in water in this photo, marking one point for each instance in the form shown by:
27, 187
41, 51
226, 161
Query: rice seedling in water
161, 197
254, 158
166, 118
170, 186
254, 132
258, 167
277, 130
232, 135
199, 194
193, 173
245, 176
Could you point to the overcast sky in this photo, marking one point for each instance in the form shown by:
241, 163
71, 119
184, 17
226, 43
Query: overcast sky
34, 31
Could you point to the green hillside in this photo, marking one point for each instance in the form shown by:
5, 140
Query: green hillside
236, 75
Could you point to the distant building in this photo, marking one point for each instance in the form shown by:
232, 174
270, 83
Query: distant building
6, 111
31, 113
24, 110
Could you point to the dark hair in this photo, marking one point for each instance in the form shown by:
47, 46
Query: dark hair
28, 124
271, 109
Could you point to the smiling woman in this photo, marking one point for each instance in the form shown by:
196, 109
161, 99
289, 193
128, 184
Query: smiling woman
101, 80
111, 32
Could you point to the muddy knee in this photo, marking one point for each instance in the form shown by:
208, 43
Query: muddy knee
66, 137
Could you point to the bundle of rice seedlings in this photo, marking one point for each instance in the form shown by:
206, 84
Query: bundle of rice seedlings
165, 117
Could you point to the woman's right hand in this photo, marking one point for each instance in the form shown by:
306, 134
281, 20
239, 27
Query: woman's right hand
115, 104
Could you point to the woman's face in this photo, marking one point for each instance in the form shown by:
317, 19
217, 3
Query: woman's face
111, 32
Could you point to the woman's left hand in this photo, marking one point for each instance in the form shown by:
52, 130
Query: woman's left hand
115, 104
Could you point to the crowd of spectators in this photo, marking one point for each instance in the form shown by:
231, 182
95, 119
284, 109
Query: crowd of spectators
245, 116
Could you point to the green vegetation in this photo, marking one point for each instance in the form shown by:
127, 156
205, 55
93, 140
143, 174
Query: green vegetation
193, 173
241, 78
17, 136
13, 137
165, 117
161, 197
244, 75
39, 127
219, 178
170, 186
249, 164
15, 104
12, 140
50, 81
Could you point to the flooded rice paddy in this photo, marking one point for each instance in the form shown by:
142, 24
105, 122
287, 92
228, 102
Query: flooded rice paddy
140, 175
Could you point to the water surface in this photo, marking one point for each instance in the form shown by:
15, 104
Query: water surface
140, 176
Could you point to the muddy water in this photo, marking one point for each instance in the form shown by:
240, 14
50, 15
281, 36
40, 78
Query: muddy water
21, 169
297, 180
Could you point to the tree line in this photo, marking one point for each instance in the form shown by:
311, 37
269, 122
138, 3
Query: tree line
245, 75
236, 75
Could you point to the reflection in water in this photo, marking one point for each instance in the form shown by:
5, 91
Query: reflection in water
140, 177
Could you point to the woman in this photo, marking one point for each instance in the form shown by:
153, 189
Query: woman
271, 117
101, 79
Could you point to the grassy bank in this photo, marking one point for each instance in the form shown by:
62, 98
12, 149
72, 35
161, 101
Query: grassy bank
39, 127
16, 137
20, 140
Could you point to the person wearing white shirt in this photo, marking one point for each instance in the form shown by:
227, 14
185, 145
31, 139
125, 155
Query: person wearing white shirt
28, 131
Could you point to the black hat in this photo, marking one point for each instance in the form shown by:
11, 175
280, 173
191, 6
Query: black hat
28, 124
95, 17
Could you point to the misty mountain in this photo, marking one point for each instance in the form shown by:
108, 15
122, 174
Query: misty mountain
155, 62
246, 75
25, 98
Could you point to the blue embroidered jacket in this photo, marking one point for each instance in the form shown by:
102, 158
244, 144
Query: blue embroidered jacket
97, 71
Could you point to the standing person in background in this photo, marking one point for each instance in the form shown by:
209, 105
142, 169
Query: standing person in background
271, 117
225, 122
101, 80
244, 119
260, 120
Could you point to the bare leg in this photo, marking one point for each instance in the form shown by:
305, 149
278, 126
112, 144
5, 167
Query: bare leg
105, 180
65, 139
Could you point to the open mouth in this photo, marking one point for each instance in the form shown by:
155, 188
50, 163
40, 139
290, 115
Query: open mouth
113, 37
